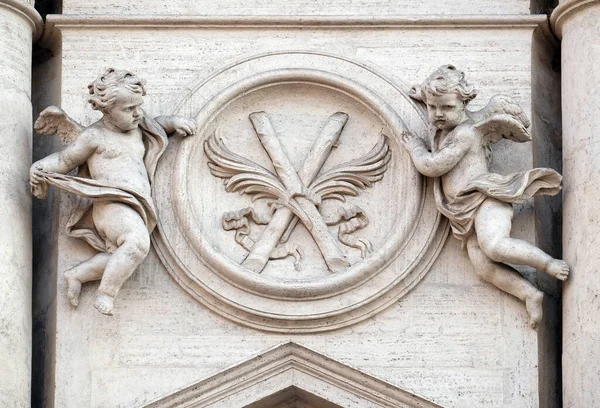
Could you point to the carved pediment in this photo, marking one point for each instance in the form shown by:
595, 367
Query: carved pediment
292, 373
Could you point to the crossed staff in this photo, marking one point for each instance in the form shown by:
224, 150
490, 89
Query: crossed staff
296, 183
291, 187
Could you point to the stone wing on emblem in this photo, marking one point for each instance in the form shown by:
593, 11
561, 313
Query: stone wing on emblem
240, 174
347, 179
54, 120
247, 177
502, 118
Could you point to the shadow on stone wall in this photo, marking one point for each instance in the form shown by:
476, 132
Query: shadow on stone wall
547, 152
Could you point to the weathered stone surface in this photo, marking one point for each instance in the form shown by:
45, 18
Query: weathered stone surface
116, 158
547, 143
577, 22
477, 203
388, 228
297, 7
16, 32
468, 355
453, 339
290, 373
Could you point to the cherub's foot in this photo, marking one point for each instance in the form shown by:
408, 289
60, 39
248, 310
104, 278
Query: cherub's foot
533, 304
73, 287
104, 304
558, 268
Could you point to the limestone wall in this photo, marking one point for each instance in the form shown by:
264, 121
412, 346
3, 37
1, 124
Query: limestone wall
453, 339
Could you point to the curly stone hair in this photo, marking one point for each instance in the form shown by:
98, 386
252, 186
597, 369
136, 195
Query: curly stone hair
104, 89
444, 80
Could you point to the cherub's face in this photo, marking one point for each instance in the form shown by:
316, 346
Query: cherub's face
126, 113
445, 111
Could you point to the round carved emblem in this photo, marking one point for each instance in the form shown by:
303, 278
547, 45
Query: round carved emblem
294, 208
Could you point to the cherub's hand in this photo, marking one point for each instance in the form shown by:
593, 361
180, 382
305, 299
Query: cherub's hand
183, 126
410, 141
38, 185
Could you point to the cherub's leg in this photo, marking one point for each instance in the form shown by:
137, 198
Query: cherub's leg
87, 271
493, 223
507, 279
122, 226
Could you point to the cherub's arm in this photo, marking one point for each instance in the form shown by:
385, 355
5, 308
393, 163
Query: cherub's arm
62, 162
71, 157
433, 164
176, 125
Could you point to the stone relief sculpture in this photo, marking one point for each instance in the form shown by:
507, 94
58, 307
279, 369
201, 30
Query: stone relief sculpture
116, 158
297, 195
234, 200
478, 203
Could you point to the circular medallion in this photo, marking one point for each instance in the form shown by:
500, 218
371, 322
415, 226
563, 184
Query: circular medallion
294, 208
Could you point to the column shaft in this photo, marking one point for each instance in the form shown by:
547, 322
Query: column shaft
578, 22
18, 20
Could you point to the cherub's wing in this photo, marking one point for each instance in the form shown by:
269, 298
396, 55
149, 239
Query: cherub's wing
241, 174
502, 118
54, 120
350, 177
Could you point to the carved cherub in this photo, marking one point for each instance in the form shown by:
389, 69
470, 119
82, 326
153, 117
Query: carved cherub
478, 203
116, 158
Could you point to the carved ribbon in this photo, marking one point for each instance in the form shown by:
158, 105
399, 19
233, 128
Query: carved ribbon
351, 219
239, 221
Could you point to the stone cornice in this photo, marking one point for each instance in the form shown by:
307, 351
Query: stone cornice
565, 10
27, 11
57, 22
415, 21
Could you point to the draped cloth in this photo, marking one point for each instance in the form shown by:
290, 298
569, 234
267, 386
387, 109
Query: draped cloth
511, 188
80, 224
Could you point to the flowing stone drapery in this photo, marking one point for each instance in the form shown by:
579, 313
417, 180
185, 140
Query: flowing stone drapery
20, 25
577, 23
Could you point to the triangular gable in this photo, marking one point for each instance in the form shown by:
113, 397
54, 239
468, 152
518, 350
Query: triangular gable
291, 366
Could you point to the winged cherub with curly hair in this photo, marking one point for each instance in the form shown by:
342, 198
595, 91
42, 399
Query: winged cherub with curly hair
116, 158
478, 203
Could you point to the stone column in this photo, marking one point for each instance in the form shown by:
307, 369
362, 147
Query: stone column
20, 25
577, 23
